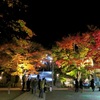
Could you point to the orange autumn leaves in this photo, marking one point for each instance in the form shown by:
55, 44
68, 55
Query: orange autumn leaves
69, 42
88, 46
25, 28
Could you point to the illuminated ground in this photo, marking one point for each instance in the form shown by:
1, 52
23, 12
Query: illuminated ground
57, 94
71, 95
46, 74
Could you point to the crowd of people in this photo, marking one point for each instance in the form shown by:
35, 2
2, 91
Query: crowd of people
34, 84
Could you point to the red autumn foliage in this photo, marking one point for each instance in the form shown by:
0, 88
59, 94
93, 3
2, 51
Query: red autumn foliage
96, 36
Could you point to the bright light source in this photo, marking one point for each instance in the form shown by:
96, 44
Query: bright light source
57, 75
41, 61
0, 77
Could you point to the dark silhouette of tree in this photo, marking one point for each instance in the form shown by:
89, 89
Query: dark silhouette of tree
11, 12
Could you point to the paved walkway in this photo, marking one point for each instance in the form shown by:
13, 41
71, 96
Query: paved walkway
60, 94
87, 94
29, 96
22, 95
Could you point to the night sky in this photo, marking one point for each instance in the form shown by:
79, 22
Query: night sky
51, 26
52, 21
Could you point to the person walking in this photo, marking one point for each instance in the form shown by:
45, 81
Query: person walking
33, 85
28, 84
76, 85
92, 84
23, 81
42, 85
81, 85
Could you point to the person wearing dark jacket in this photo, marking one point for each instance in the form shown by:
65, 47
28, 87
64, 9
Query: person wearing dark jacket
76, 85
92, 84
81, 85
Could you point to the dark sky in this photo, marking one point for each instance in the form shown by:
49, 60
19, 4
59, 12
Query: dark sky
52, 22
51, 29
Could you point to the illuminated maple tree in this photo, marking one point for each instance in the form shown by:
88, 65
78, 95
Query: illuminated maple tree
79, 54
18, 53
22, 53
